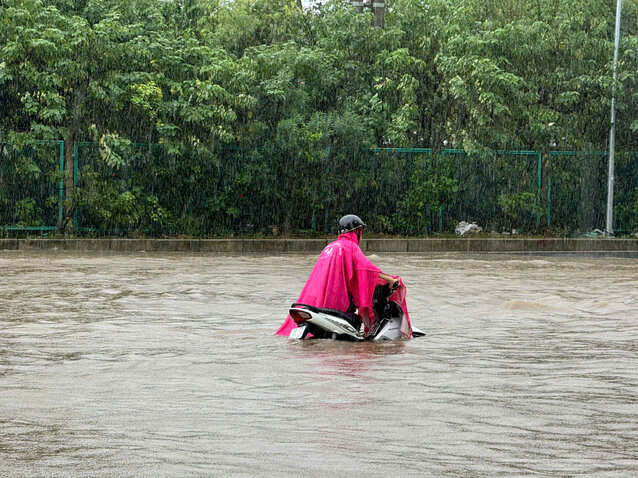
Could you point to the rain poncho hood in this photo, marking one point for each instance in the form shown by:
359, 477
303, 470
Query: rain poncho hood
342, 272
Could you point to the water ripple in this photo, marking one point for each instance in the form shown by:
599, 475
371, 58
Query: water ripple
144, 365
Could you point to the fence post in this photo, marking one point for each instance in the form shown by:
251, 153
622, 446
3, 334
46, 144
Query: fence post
550, 166
549, 202
540, 183
61, 186
75, 184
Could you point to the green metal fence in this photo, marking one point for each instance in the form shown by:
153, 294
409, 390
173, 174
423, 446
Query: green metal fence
118, 194
31, 186
499, 190
240, 199
577, 190
151, 190
260, 187
382, 184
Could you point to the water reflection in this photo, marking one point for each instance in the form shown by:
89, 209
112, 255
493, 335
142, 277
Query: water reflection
324, 357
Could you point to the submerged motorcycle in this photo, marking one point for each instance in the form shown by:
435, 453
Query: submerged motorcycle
321, 323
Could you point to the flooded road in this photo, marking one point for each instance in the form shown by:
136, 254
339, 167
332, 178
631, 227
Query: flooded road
148, 365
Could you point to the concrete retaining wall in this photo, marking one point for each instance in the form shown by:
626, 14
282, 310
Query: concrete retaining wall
300, 246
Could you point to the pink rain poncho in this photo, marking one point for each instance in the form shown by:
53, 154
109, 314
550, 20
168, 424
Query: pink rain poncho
343, 271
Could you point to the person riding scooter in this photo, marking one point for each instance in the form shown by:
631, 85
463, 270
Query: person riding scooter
343, 278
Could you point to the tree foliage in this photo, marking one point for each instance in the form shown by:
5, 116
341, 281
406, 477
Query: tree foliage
301, 97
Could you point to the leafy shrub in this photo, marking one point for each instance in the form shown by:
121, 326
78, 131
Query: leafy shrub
425, 194
27, 214
515, 205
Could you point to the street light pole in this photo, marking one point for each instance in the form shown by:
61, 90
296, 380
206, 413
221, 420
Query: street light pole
609, 228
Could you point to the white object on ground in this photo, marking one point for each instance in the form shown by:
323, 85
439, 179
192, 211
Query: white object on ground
465, 227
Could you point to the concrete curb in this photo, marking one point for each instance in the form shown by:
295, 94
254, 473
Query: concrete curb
301, 246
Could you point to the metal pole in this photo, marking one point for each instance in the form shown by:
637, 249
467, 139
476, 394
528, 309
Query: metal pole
61, 187
76, 180
549, 202
539, 164
609, 228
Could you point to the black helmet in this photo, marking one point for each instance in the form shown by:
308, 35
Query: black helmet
350, 223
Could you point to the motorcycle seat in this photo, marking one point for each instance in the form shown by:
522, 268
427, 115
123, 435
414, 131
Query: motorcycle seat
353, 319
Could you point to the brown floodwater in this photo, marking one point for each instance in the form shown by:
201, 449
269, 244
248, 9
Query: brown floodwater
166, 365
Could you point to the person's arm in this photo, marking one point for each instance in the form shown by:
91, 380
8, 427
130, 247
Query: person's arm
389, 279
